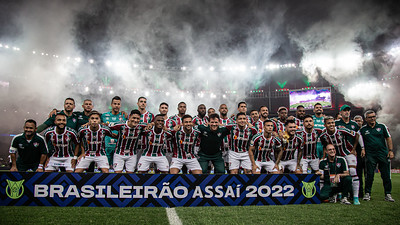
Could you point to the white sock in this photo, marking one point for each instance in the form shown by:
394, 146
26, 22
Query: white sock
356, 184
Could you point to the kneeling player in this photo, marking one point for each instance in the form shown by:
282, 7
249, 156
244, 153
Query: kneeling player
335, 173
155, 141
128, 136
262, 148
291, 143
92, 139
184, 140
63, 139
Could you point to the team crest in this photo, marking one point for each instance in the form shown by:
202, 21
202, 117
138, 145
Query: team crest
308, 189
353, 127
219, 134
14, 189
74, 120
378, 129
35, 144
338, 165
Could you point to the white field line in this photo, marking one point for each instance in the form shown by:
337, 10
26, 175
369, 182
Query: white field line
173, 218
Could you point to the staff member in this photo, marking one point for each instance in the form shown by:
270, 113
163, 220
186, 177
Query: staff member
379, 151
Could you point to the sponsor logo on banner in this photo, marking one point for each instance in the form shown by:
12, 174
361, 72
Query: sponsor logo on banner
14, 189
308, 189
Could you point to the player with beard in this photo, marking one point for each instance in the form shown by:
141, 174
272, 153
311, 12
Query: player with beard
225, 120
345, 122
262, 148
201, 117
92, 140
318, 118
128, 135
300, 113
338, 138
282, 117
310, 136
291, 144
240, 137
83, 117
31, 148
111, 118
155, 140
177, 119
254, 115
63, 140
185, 138
163, 109
259, 125
72, 120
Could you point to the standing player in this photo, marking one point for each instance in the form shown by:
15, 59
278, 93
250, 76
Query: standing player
92, 140
223, 115
240, 137
263, 112
225, 120
282, 117
359, 120
72, 121
146, 116
185, 140
128, 136
310, 137
337, 137
300, 113
111, 118
210, 111
262, 148
31, 149
242, 108
318, 118
155, 141
379, 151
63, 141
83, 117
201, 117
345, 122
291, 144
254, 115
163, 109
177, 119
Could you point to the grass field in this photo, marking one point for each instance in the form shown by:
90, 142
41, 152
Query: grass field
376, 211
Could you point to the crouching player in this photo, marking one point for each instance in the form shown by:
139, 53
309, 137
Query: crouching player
184, 141
127, 141
335, 173
262, 148
61, 140
92, 139
155, 142
291, 144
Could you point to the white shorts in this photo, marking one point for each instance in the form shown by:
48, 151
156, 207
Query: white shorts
55, 163
351, 160
290, 164
268, 166
191, 164
101, 161
160, 161
129, 161
313, 163
239, 159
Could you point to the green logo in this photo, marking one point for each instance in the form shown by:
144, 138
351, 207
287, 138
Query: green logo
13, 189
309, 189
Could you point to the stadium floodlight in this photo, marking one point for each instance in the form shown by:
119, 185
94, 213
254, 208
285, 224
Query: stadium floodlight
6, 46
108, 63
87, 89
253, 67
42, 53
111, 92
47, 54
151, 67
183, 68
91, 61
167, 93
100, 88
33, 52
1, 45
182, 95
212, 68
200, 68
223, 96
223, 68
135, 66
78, 59
147, 93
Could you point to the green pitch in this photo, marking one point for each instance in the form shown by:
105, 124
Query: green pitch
376, 211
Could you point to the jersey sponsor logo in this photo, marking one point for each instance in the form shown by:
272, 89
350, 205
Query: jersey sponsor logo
308, 189
21, 146
14, 189
35, 144
367, 132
